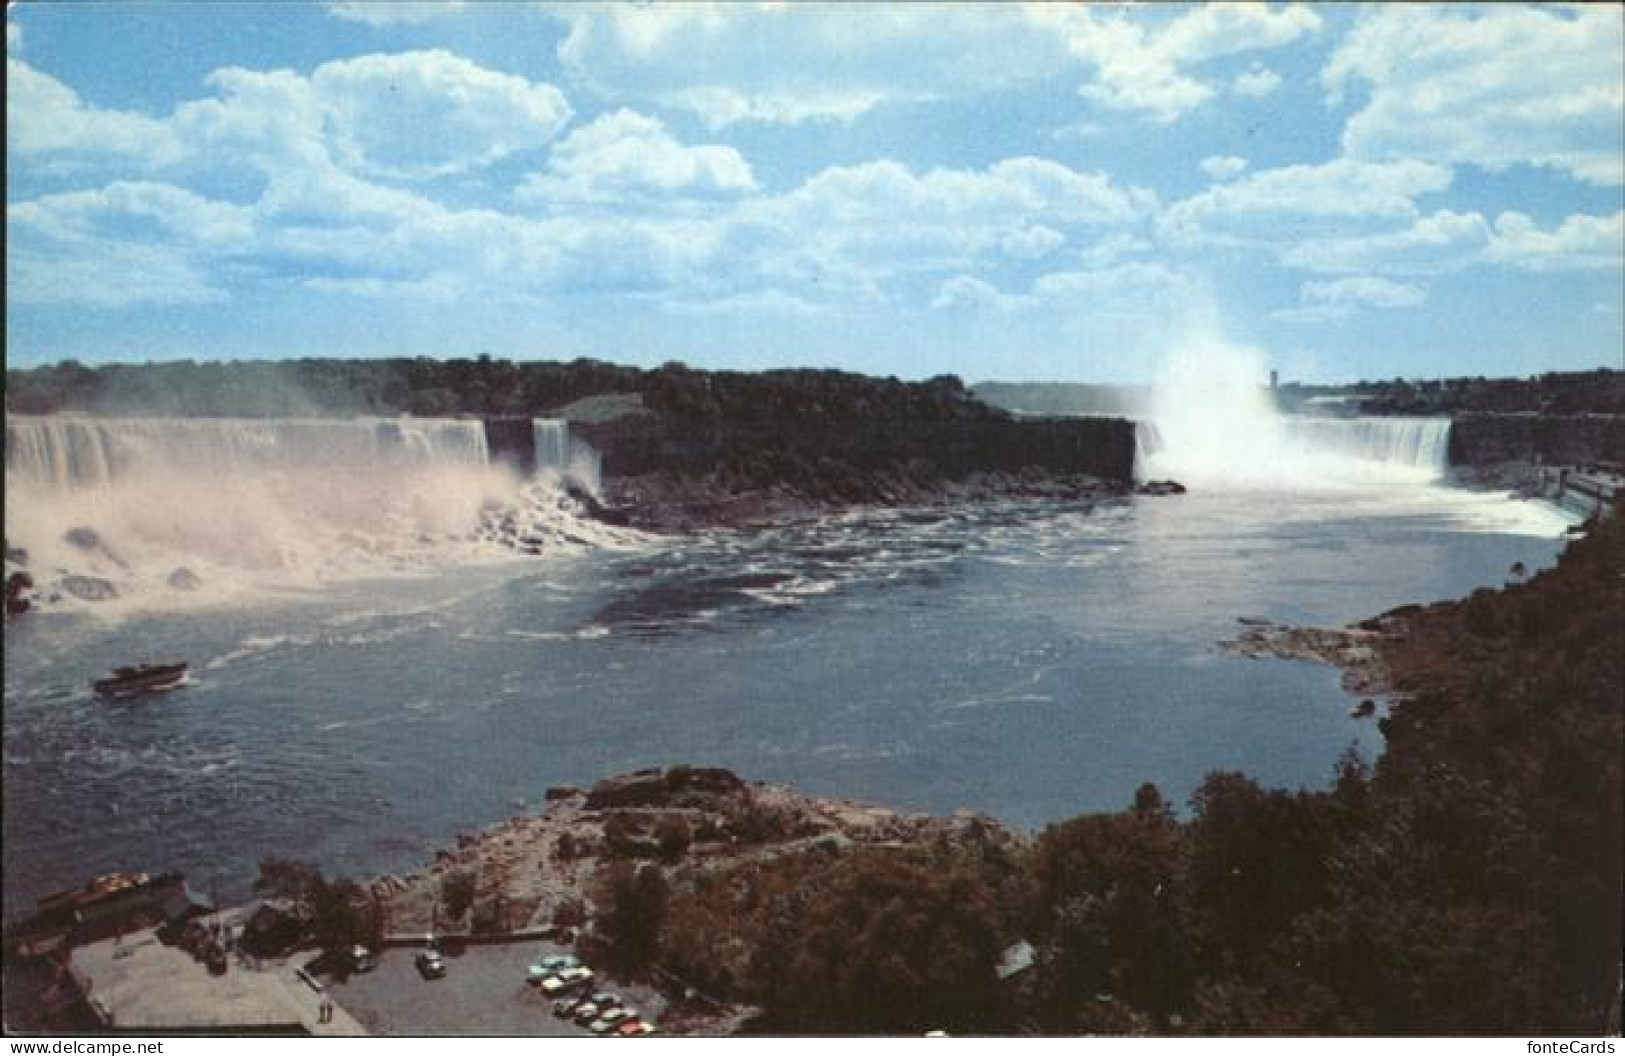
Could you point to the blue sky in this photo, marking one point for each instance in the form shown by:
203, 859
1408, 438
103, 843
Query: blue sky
1004, 191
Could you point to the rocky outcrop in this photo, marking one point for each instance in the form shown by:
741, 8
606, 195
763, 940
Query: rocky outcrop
680, 786
89, 588
667, 473
1354, 649
705, 815
18, 586
184, 579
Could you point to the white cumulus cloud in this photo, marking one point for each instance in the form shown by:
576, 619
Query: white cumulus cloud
1223, 167
1294, 198
1488, 84
627, 153
1580, 242
45, 116
1452, 241
431, 113
1138, 65
793, 63
1256, 82
128, 243
1327, 300
392, 12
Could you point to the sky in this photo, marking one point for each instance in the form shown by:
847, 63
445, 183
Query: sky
1016, 192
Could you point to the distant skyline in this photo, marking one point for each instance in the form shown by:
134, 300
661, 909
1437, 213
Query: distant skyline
1008, 192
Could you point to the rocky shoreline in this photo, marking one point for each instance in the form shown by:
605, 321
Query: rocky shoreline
1357, 650
540, 869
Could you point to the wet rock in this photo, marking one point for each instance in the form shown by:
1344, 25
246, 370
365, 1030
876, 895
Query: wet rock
184, 579
89, 588
1160, 487
83, 538
16, 555
558, 792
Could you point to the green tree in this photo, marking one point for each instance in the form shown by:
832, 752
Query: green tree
457, 893
884, 945
631, 905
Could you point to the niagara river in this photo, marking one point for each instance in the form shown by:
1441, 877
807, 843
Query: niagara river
1029, 660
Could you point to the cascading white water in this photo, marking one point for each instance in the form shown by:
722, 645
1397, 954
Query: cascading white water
552, 438
240, 503
564, 457
1215, 423
1420, 444
68, 453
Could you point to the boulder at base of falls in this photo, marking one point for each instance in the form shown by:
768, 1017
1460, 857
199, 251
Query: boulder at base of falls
89, 588
83, 538
18, 584
1160, 487
184, 579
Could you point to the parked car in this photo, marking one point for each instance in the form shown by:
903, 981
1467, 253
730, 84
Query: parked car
606, 1000
586, 1011
570, 979
361, 959
634, 1028
610, 1020
552, 964
431, 965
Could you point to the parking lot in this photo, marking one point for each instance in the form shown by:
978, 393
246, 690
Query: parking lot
483, 992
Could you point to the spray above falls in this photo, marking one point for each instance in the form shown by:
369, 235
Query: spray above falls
113, 507
1214, 422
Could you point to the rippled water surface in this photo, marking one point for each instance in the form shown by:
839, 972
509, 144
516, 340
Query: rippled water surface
1029, 661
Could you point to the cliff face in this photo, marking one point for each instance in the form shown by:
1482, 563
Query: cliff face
949, 450
1484, 439
675, 473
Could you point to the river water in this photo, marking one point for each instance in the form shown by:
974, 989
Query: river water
1031, 661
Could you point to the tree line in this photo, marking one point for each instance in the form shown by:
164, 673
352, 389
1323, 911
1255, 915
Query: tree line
483, 386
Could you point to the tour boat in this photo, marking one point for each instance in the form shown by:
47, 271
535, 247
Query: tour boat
142, 678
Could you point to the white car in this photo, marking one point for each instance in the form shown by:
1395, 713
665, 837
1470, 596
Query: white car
610, 1020
567, 980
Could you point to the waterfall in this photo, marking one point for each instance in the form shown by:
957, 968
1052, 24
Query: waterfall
66, 452
566, 457
137, 502
1147, 445
1214, 422
1422, 444
1297, 451
552, 439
